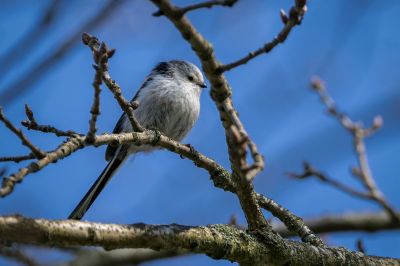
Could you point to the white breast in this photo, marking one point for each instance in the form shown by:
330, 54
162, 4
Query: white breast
172, 108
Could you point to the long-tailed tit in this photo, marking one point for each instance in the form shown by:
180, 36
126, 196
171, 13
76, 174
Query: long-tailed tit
169, 101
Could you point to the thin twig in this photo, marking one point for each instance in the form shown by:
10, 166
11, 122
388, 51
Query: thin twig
25, 141
18, 255
295, 18
220, 177
292, 222
101, 54
95, 110
237, 138
137, 256
359, 132
49, 129
147, 137
346, 222
63, 151
310, 171
17, 159
240, 141
31, 124
206, 4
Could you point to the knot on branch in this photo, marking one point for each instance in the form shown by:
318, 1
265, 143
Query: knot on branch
220, 95
156, 138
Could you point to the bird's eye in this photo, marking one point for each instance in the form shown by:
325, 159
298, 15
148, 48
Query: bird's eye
191, 78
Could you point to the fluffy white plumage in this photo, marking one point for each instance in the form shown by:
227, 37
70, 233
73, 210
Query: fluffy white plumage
169, 101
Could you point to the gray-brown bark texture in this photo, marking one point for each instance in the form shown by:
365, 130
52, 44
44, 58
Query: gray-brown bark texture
217, 241
258, 244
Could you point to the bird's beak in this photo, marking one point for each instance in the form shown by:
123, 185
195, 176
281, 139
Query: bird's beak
203, 85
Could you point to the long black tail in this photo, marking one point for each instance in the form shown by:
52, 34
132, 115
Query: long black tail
96, 188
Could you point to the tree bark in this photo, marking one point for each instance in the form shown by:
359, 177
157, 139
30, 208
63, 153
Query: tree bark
216, 241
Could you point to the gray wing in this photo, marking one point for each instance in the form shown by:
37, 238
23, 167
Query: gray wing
119, 127
110, 152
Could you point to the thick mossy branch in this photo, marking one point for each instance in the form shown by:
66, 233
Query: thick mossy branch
216, 241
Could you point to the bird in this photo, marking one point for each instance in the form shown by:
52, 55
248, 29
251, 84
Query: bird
169, 102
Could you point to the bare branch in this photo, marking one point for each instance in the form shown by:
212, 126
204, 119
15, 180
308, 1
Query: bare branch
348, 222
101, 54
25, 141
220, 177
206, 4
217, 241
310, 171
259, 245
295, 18
292, 222
17, 255
17, 159
363, 172
64, 150
237, 137
95, 110
143, 138
49, 129
210, 240
31, 124
85, 257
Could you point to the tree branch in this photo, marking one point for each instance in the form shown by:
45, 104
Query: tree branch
17, 255
295, 18
95, 110
216, 241
86, 257
25, 141
31, 124
309, 171
363, 172
220, 177
260, 245
292, 222
101, 54
237, 137
138, 138
17, 159
206, 4
348, 222
63, 151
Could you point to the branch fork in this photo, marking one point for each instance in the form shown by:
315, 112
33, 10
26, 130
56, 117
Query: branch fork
363, 171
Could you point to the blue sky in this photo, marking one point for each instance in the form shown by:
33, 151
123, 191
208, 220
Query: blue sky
352, 45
